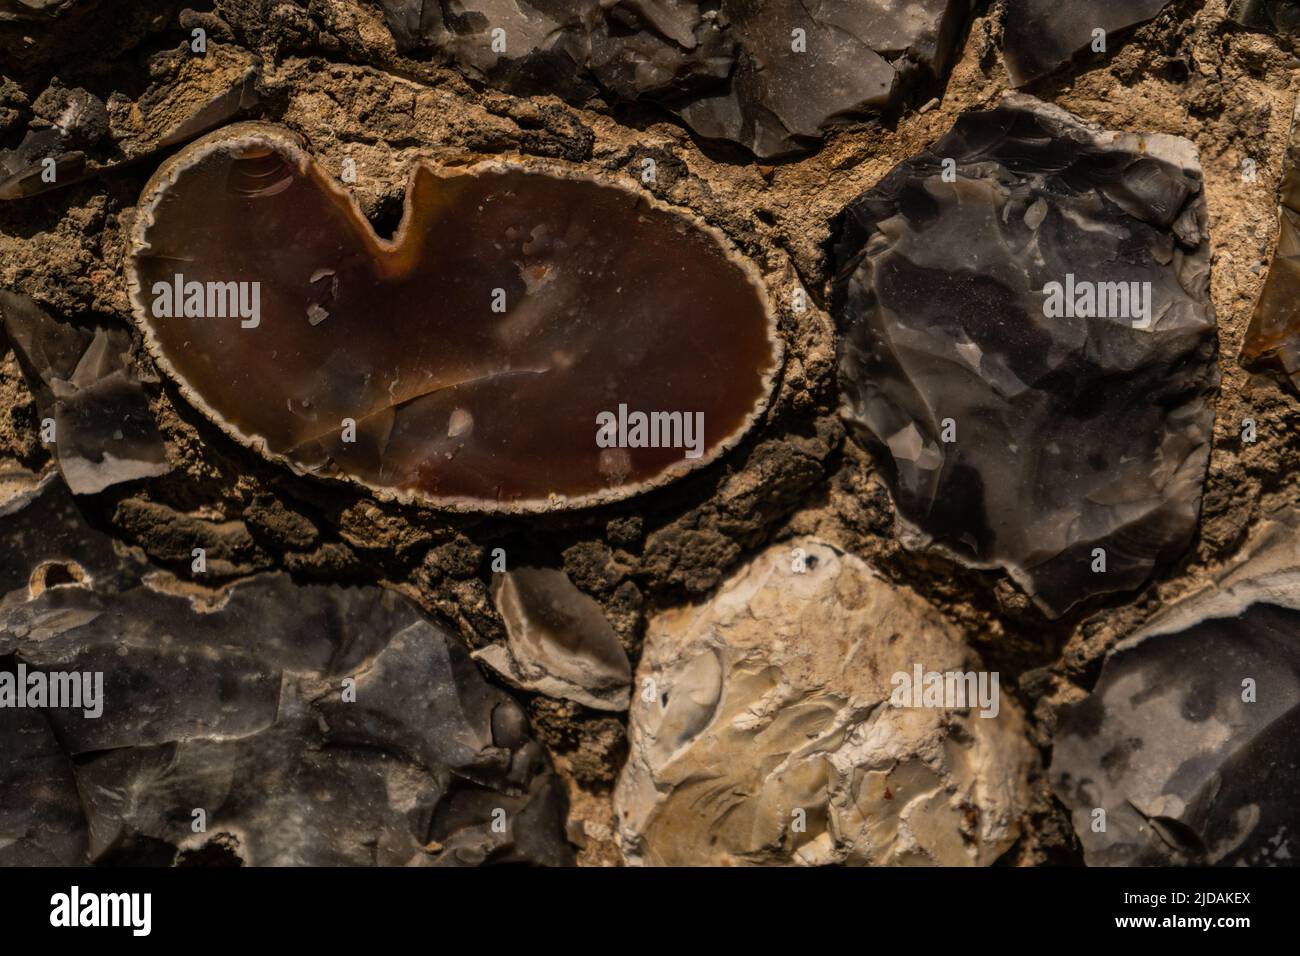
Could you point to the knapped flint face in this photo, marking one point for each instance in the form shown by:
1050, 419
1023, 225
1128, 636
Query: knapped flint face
1041, 35
779, 692
787, 90
1020, 426
49, 539
240, 712
559, 642
1280, 17
773, 76
1184, 752
89, 395
471, 362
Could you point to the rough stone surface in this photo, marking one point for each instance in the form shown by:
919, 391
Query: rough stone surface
32, 31
772, 76
1013, 437
73, 120
1273, 339
1189, 740
239, 709
104, 431
332, 74
572, 48
82, 134
1041, 35
774, 696
559, 642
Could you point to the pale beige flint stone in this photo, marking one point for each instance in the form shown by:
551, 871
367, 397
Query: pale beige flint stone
774, 696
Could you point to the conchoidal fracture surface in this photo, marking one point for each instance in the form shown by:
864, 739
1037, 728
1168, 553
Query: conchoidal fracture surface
649, 432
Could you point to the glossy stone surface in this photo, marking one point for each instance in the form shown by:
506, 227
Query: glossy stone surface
773, 76
1272, 341
1280, 17
859, 58
475, 353
1038, 36
238, 709
104, 431
571, 47
1189, 741
48, 540
1010, 438
559, 641
775, 696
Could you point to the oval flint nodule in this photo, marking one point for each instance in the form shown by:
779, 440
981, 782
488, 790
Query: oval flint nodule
472, 362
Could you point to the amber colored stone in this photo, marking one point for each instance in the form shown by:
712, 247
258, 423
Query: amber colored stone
474, 351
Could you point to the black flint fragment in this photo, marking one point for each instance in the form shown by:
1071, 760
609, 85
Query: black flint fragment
1280, 17
773, 76
1186, 751
1027, 335
104, 432
301, 724
1041, 35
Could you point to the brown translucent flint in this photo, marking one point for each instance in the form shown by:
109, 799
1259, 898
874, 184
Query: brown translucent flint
1273, 338
467, 362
